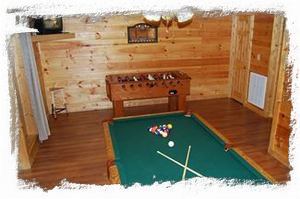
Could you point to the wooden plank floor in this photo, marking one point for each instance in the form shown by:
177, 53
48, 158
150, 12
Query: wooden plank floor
75, 151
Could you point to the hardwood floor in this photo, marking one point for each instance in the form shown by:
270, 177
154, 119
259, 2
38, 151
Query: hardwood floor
75, 151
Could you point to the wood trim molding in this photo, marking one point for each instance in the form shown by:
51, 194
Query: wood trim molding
278, 101
24, 158
240, 61
274, 64
52, 37
37, 55
232, 52
112, 170
249, 42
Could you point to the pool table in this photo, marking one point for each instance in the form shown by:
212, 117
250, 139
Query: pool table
133, 157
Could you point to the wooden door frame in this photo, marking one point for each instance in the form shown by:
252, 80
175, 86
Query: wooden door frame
247, 57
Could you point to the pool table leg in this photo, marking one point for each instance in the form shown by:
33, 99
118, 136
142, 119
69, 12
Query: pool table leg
118, 108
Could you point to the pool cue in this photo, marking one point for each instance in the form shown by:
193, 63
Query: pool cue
178, 163
186, 162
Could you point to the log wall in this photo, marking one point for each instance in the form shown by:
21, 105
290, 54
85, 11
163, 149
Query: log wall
201, 49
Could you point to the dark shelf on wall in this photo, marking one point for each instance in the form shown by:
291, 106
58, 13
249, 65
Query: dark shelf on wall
51, 37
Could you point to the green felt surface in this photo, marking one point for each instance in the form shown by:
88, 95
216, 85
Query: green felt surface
138, 161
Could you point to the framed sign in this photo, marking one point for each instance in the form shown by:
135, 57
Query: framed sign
142, 33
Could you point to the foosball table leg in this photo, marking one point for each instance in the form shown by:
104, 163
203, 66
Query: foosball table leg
118, 108
172, 103
181, 103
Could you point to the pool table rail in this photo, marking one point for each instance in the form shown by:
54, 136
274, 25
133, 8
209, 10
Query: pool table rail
240, 152
112, 170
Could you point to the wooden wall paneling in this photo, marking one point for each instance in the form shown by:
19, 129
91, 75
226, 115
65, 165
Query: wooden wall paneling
23, 153
36, 40
279, 137
240, 56
28, 140
28, 144
22, 89
24, 159
232, 59
264, 44
262, 39
264, 53
51, 37
99, 49
37, 56
274, 64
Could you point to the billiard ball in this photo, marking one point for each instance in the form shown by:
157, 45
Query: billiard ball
171, 143
164, 134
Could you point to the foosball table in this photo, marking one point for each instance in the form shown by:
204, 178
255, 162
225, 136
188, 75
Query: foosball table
172, 84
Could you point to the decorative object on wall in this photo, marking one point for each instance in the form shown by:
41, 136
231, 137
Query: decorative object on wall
142, 33
47, 25
181, 16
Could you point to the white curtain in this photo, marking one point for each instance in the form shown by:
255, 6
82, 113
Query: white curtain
34, 86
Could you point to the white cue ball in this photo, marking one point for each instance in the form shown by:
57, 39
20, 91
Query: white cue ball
171, 143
